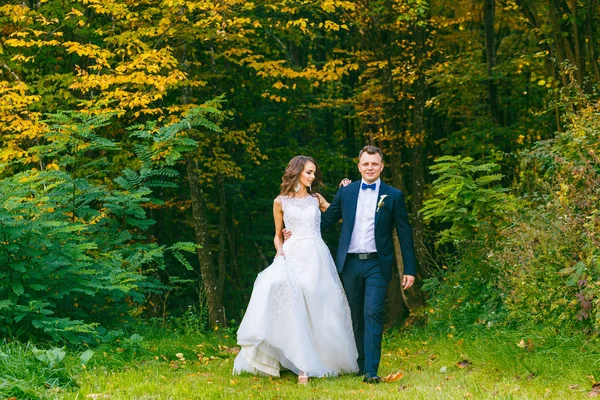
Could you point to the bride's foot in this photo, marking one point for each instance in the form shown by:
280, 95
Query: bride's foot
302, 378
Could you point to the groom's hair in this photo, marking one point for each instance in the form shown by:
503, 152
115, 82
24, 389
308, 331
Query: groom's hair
371, 150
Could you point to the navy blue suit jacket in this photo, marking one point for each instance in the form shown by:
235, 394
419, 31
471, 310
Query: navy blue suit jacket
392, 213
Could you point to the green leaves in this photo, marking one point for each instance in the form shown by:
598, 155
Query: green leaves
74, 253
86, 356
49, 357
463, 196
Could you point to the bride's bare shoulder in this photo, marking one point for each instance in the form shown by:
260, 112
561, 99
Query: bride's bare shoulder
320, 197
279, 199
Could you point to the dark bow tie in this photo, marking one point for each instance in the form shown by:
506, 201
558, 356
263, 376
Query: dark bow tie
372, 186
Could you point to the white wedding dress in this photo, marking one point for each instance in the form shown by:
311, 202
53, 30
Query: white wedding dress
298, 317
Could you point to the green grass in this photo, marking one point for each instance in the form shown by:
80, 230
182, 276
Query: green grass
499, 365
25, 377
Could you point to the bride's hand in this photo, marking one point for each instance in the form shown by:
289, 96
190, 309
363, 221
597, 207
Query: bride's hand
286, 234
280, 253
345, 182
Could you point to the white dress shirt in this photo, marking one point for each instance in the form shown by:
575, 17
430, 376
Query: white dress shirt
363, 234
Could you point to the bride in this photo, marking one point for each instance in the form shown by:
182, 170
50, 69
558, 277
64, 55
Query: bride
298, 317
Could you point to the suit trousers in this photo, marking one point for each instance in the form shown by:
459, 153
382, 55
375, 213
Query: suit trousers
366, 290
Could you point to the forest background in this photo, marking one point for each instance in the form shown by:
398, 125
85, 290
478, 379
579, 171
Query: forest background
143, 143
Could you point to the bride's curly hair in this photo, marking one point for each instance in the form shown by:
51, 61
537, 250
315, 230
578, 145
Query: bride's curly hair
292, 173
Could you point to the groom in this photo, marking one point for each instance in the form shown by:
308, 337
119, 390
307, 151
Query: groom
365, 257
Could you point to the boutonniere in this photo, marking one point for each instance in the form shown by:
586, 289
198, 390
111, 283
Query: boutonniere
381, 203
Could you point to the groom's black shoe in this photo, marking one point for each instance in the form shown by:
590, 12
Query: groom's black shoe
372, 379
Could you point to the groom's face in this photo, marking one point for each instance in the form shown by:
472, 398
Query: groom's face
370, 167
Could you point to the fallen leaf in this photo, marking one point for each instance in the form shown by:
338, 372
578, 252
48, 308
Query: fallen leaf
573, 387
463, 364
595, 392
393, 377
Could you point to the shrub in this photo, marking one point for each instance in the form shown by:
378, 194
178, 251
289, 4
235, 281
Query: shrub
471, 205
73, 249
550, 255
538, 258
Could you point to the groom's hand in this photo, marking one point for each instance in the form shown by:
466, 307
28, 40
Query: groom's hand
407, 281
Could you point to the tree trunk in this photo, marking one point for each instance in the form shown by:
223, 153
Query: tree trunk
237, 276
222, 241
550, 61
579, 60
396, 299
590, 41
397, 303
210, 283
490, 56
418, 166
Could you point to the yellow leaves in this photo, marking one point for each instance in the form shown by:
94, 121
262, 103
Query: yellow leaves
236, 51
393, 377
378, 64
273, 97
22, 58
330, 6
280, 85
301, 23
332, 26
197, 83
52, 167
89, 50
75, 12
288, 10
17, 13
114, 8
248, 6
30, 43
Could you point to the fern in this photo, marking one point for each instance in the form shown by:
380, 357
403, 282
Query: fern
463, 198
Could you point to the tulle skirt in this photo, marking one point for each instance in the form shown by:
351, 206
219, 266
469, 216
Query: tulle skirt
298, 317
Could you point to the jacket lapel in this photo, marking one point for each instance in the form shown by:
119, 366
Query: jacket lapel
353, 199
382, 191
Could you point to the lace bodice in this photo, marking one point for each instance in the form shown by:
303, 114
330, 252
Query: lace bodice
302, 215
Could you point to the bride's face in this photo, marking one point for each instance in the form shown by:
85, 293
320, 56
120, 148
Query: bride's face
307, 176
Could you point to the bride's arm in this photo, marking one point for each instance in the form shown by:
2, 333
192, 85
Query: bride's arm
278, 217
323, 204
